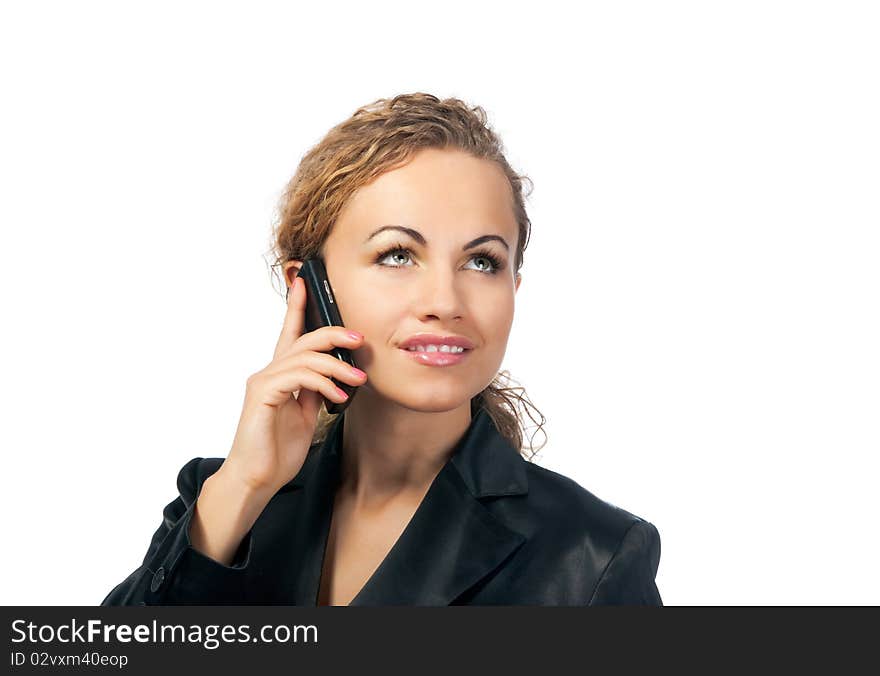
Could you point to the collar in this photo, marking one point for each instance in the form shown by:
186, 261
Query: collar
452, 541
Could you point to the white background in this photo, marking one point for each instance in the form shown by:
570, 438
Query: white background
698, 319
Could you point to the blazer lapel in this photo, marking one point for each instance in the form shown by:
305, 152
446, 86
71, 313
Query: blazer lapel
452, 540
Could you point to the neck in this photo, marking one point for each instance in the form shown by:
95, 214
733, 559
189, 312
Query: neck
389, 451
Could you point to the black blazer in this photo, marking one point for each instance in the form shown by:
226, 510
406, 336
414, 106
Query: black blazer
493, 529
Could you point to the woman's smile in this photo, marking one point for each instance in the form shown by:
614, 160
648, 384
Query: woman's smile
434, 355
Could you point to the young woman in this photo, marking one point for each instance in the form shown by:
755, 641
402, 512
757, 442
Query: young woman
417, 493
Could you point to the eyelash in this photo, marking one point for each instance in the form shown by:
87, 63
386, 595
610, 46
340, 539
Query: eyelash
497, 263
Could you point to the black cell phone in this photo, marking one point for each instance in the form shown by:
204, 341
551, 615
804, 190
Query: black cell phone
322, 310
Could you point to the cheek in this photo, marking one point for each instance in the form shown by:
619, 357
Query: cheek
376, 317
362, 309
498, 318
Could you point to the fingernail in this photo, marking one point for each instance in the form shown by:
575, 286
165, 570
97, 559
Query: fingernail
354, 335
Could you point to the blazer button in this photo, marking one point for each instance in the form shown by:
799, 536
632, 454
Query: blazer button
158, 579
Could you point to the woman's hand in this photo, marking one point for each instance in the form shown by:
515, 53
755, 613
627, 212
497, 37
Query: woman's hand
282, 400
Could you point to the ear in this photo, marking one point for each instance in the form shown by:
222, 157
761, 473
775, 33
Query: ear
518, 280
291, 270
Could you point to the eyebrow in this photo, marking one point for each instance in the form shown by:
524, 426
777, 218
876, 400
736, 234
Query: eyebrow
416, 235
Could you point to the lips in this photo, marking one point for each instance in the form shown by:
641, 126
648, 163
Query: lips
436, 357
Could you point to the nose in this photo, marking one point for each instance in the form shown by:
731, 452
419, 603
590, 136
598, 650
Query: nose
436, 295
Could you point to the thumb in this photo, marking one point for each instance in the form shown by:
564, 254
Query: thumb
294, 319
310, 403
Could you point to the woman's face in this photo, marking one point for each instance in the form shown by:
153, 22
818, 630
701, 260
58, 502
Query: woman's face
451, 199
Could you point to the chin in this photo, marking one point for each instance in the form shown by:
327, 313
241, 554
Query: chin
427, 400
426, 394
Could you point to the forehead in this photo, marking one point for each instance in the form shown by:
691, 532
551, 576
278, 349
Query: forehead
438, 191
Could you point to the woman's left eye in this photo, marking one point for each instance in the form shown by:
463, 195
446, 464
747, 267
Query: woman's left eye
493, 261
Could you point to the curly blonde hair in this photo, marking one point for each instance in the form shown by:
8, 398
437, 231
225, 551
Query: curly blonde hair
378, 137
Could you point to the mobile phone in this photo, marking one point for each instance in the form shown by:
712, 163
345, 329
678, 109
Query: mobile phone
322, 310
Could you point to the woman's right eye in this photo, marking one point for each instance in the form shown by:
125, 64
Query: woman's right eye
388, 252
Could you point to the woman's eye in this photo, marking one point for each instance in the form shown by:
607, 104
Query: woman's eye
396, 252
488, 264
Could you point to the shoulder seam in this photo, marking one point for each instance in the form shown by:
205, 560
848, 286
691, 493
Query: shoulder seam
611, 559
